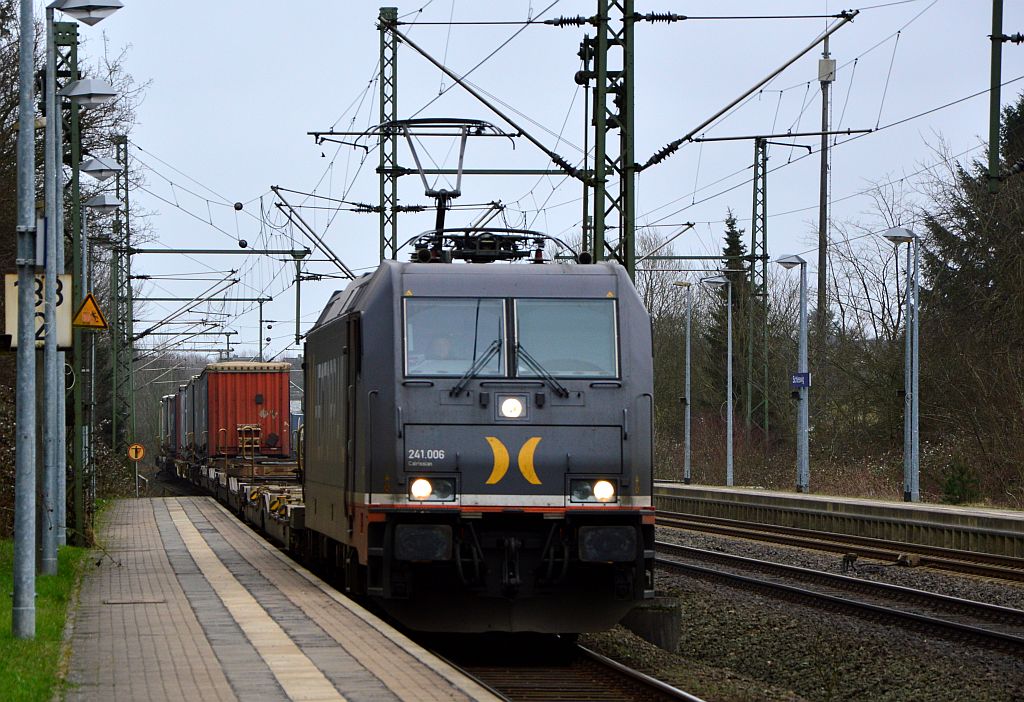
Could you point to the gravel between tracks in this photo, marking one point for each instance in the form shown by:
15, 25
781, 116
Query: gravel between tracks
740, 646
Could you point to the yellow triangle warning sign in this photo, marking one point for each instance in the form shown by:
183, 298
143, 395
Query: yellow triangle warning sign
89, 315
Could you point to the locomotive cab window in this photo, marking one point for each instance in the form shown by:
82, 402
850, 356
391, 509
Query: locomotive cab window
567, 338
449, 336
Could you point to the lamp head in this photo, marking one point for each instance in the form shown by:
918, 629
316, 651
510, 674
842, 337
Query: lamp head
103, 203
101, 168
793, 261
88, 11
716, 281
89, 92
900, 235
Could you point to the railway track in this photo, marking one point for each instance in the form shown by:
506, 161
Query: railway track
534, 669
162, 485
980, 623
970, 562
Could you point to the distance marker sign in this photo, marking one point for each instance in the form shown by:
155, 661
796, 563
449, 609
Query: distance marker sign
62, 309
136, 452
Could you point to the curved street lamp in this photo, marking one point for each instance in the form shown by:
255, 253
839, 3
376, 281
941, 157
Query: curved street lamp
802, 380
685, 284
911, 365
717, 282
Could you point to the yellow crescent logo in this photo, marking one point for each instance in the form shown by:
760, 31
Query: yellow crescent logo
500, 460
526, 460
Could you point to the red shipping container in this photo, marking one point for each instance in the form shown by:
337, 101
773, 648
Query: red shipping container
242, 408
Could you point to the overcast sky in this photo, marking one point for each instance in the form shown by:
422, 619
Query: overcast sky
234, 87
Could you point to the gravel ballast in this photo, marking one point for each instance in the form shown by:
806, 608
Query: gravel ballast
738, 645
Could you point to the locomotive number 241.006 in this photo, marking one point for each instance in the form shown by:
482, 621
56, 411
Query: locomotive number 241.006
426, 454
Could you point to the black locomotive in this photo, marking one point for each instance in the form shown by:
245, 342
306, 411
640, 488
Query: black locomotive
478, 443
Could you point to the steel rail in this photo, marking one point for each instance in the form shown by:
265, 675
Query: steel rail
1007, 616
883, 614
971, 562
579, 674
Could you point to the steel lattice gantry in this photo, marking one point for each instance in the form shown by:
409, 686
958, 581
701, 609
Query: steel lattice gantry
614, 170
757, 308
612, 178
388, 169
122, 331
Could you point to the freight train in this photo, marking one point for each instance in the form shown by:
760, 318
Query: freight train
477, 446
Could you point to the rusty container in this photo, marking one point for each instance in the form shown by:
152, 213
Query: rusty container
242, 410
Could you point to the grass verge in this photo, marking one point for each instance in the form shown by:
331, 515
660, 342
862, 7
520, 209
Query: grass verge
30, 669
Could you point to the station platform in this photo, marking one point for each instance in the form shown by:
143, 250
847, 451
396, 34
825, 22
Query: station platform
970, 528
188, 603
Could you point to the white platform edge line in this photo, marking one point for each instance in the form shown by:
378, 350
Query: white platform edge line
455, 677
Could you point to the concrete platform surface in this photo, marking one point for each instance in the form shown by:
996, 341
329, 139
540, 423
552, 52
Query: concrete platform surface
188, 603
968, 528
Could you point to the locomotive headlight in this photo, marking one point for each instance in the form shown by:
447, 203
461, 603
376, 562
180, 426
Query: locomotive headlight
511, 407
420, 489
432, 490
604, 491
592, 490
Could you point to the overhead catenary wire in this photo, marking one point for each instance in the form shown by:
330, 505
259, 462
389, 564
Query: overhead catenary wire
671, 147
888, 75
543, 205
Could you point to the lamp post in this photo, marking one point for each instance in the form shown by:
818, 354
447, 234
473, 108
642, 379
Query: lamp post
259, 331
52, 384
23, 615
911, 464
686, 388
717, 282
83, 94
802, 380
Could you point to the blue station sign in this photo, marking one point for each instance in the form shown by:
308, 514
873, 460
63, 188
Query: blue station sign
800, 380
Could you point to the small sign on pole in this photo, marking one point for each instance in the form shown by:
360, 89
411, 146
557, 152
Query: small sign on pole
800, 380
89, 315
135, 454
63, 309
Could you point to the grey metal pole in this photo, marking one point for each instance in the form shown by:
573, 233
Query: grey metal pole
803, 470
47, 521
23, 622
260, 332
61, 494
728, 397
686, 392
915, 465
821, 312
907, 392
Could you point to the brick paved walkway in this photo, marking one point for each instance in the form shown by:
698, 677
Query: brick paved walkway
190, 604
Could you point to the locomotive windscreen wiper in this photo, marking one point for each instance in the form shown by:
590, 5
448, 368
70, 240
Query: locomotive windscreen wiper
537, 368
488, 354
